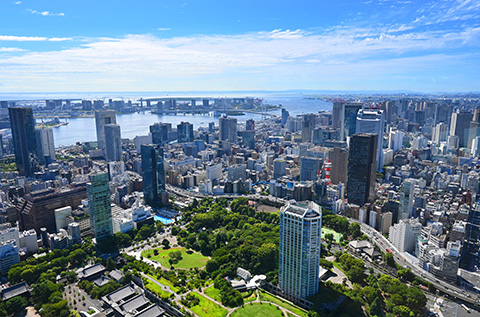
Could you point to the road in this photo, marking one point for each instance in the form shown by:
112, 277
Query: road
447, 288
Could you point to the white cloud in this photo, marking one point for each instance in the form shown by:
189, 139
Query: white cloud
32, 38
46, 13
22, 38
259, 60
17, 2
11, 49
164, 29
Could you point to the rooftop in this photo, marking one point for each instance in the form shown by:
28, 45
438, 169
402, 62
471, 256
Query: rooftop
15, 290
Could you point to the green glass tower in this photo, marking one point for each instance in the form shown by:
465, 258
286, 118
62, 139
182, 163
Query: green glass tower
98, 191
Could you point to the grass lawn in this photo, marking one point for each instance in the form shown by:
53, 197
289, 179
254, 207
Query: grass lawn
189, 261
264, 296
166, 283
214, 293
157, 289
207, 308
249, 298
257, 309
336, 235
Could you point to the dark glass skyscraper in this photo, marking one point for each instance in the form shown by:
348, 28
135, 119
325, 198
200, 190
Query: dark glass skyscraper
153, 173
362, 163
24, 143
470, 260
160, 132
228, 129
185, 132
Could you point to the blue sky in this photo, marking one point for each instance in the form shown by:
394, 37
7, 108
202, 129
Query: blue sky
210, 45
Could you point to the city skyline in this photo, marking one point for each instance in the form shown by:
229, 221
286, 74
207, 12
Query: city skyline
183, 46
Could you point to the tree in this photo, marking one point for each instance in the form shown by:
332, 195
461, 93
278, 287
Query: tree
267, 255
376, 308
355, 230
212, 266
122, 239
401, 311
110, 265
16, 305
326, 264
388, 258
166, 244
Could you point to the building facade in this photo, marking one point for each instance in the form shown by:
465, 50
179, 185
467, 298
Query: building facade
24, 143
300, 245
100, 209
153, 174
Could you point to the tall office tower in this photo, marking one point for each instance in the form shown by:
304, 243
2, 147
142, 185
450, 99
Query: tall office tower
299, 250
248, 138
395, 140
45, 145
405, 209
279, 168
308, 124
338, 114
362, 163
470, 260
113, 143
228, 129
285, 115
390, 111
160, 132
103, 117
317, 136
350, 111
310, 168
250, 125
211, 127
99, 204
24, 144
372, 121
153, 174
339, 159
184, 132
475, 149
440, 133
460, 125
474, 130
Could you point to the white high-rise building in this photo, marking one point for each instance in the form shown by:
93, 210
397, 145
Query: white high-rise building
476, 146
102, 118
45, 145
403, 235
405, 209
395, 140
372, 121
440, 133
300, 244
214, 171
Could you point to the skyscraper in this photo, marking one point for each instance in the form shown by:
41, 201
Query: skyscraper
113, 143
308, 124
98, 192
103, 117
372, 121
45, 145
160, 132
279, 168
405, 209
24, 144
250, 125
153, 173
248, 138
471, 252
185, 132
299, 249
350, 111
285, 115
339, 159
460, 125
309, 168
228, 129
362, 163
338, 114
